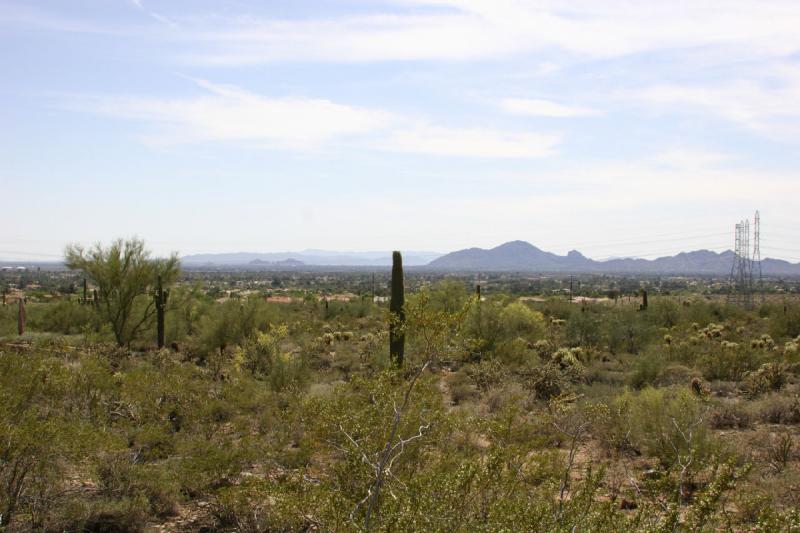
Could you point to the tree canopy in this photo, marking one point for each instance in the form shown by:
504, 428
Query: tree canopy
124, 273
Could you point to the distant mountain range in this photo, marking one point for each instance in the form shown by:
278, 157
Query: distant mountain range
514, 256
307, 257
521, 256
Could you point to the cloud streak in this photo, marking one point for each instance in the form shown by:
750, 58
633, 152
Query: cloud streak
770, 106
542, 108
477, 29
471, 142
226, 113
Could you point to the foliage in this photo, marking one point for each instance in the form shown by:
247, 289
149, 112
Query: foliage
506, 415
124, 274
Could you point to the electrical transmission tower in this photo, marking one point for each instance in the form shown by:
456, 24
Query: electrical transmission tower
741, 281
757, 254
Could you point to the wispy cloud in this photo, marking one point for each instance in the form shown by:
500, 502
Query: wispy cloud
542, 108
229, 113
471, 142
770, 105
478, 29
156, 16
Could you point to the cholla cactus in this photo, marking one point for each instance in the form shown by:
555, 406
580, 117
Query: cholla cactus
713, 331
768, 342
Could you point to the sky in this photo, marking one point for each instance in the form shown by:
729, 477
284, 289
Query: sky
615, 127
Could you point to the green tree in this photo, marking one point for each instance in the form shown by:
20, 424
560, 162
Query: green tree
124, 274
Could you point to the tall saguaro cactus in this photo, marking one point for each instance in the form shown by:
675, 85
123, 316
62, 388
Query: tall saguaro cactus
21, 316
397, 337
644, 300
160, 297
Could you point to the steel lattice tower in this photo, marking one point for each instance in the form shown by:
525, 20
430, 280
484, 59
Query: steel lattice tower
741, 281
757, 254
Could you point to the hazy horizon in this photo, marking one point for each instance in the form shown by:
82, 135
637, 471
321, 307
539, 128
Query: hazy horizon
613, 128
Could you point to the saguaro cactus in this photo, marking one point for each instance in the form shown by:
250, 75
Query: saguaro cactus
21, 316
397, 337
161, 297
85, 290
644, 300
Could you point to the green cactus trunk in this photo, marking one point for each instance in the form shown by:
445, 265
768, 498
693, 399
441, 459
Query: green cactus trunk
397, 337
161, 303
644, 299
21, 317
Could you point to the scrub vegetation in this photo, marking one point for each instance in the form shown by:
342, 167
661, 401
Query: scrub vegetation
501, 413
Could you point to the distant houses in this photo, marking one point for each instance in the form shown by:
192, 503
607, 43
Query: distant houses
345, 297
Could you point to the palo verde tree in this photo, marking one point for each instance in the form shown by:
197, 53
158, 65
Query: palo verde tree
125, 275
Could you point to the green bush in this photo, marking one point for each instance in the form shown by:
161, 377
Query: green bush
68, 317
668, 424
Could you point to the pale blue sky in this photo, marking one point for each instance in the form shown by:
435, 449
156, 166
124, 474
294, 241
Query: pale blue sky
614, 127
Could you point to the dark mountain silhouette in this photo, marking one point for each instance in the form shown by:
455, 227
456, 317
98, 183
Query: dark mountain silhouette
522, 256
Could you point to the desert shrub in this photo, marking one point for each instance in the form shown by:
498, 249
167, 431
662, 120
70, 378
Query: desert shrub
462, 388
448, 295
207, 464
785, 325
483, 322
780, 450
647, 368
519, 320
729, 364
232, 322
730, 415
41, 428
265, 358
259, 505
487, 373
583, 329
554, 377
515, 352
668, 424
102, 515
664, 312
675, 375
626, 331
769, 376
503, 396
152, 441
69, 317
119, 477
776, 409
